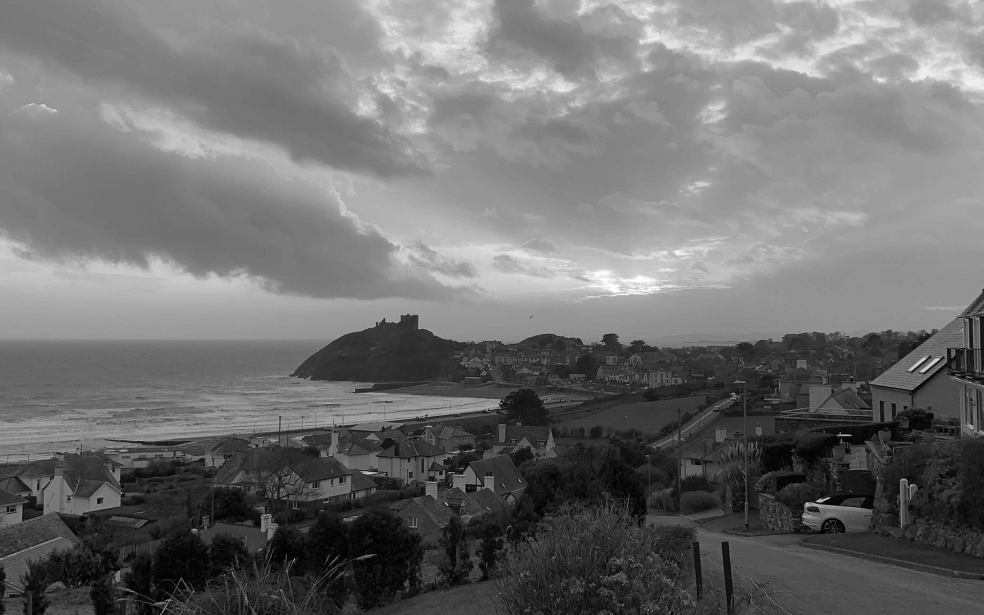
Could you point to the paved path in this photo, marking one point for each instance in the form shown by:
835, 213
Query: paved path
809, 582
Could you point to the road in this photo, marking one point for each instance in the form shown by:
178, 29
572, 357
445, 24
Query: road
697, 423
808, 582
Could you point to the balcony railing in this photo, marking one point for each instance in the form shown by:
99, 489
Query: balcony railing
965, 363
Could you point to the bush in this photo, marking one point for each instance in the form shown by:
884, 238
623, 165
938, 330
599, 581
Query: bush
694, 483
597, 560
698, 501
669, 497
909, 466
776, 456
794, 496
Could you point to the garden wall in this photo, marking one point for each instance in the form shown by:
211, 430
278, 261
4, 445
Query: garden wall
967, 541
775, 516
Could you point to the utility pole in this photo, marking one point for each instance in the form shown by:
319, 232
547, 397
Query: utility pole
280, 427
679, 457
744, 437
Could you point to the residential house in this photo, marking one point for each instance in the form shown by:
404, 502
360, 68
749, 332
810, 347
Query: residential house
496, 473
143, 456
84, 484
289, 474
664, 377
387, 434
353, 452
362, 485
36, 474
540, 440
15, 485
11, 508
429, 514
449, 439
920, 379
702, 458
31, 540
843, 402
966, 369
577, 378
220, 450
797, 383
410, 461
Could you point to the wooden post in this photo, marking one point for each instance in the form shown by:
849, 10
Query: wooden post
697, 571
729, 589
29, 599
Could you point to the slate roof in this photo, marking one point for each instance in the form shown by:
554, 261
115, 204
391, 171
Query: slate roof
361, 482
375, 427
412, 448
974, 309
37, 469
507, 476
226, 446
518, 432
359, 447
9, 499
310, 469
397, 436
849, 400
439, 512
15, 565
449, 432
20, 536
898, 376
14, 485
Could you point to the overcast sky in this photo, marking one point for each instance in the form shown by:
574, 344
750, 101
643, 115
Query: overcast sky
271, 169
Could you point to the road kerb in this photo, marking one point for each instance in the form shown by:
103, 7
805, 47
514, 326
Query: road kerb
901, 563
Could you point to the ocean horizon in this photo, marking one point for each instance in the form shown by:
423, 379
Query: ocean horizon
60, 395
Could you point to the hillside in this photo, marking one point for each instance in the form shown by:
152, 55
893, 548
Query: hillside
550, 340
386, 352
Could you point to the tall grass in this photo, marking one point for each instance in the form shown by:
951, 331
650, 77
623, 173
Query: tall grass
597, 560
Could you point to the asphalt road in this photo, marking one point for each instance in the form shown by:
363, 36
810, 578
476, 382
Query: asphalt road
808, 582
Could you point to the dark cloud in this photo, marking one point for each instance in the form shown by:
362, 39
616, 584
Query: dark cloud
931, 12
571, 47
509, 264
542, 245
243, 81
119, 199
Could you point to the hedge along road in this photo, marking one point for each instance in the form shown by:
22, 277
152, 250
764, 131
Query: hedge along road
698, 423
809, 582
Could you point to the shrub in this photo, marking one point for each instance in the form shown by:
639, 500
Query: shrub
909, 466
83, 564
796, 495
36, 581
776, 456
694, 483
596, 560
669, 497
697, 501
101, 595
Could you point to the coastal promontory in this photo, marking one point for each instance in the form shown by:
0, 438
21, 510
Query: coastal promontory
389, 351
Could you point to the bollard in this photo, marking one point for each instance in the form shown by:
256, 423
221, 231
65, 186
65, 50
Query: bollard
697, 572
729, 589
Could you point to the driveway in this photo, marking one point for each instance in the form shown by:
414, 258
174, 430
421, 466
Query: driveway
808, 582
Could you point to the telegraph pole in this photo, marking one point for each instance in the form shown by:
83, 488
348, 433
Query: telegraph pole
280, 428
679, 457
744, 437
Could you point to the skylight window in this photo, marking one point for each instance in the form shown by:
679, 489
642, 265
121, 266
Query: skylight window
929, 365
917, 364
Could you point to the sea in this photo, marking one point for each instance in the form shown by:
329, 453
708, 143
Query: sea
67, 395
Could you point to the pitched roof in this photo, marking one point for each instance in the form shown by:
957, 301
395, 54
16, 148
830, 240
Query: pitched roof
899, 375
507, 476
359, 446
448, 432
374, 427
412, 448
9, 499
849, 400
16, 564
37, 469
976, 308
397, 436
361, 482
322, 468
439, 512
86, 473
517, 432
310, 469
226, 446
20, 536
483, 500
15, 485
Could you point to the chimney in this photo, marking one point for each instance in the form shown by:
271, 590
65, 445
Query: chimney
271, 530
265, 521
60, 456
490, 483
334, 440
59, 470
720, 434
458, 481
502, 432
758, 430
430, 488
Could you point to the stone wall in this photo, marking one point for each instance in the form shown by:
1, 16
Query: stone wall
775, 516
969, 542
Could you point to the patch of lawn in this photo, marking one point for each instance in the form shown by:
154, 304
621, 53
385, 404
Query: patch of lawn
474, 599
646, 416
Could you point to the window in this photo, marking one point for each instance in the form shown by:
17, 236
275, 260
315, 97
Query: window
316, 484
413, 522
99, 500
126, 456
341, 480
11, 510
697, 462
68, 498
857, 502
928, 366
916, 365
881, 411
894, 409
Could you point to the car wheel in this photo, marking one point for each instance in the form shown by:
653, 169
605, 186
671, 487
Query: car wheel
832, 526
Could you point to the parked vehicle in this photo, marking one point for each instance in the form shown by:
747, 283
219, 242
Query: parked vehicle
839, 513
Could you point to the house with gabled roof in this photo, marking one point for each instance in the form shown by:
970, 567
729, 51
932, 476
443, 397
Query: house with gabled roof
965, 360
220, 450
290, 472
11, 508
37, 474
351, 450
83, 484
410, 461
448, 438
16, 485
538, 439
499, 474
28, 541
362, 485
920, 379
429, 514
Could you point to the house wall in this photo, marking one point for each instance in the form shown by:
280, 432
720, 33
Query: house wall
940, 392
37, 485
971, 410
356, 462
884, 395
110, 499
428, 530
396, 467
10, 518
339, 488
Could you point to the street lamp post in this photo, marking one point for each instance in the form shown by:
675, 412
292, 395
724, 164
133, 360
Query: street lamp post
744, 437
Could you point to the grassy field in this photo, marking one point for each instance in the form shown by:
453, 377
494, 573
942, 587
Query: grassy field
647, 416
475, 599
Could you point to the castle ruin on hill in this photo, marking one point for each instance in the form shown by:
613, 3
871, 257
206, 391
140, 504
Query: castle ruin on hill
407, 321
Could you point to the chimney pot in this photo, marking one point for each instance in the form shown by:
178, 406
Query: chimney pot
265, 521
431, 489
489, 482
458, 481
502, 432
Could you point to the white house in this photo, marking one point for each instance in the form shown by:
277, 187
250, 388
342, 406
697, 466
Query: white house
496, 473
83, 484
143, 456
967, 370
11, 508
410, 461
289, 473
539, 440
37, 474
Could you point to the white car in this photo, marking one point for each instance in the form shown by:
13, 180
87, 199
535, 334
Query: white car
839, 513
